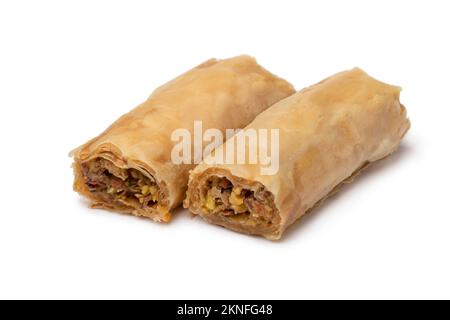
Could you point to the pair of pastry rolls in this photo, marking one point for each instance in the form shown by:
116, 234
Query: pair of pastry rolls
325, 134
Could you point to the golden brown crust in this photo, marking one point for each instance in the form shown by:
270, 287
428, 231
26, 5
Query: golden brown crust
224, 94
327, 132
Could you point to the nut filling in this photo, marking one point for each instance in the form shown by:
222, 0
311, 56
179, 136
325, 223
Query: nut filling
238, 205
125, 186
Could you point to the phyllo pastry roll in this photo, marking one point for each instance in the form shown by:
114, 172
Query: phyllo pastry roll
327, 133
128, 168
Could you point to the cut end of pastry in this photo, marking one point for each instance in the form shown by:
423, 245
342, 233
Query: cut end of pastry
234, 203
123, 189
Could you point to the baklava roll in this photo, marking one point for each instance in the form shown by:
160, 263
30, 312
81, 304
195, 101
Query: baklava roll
128, 168
327, 134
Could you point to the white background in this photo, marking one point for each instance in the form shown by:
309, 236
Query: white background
70, 68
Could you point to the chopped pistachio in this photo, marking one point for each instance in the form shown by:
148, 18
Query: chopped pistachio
145, 190
111, 190
235, 197
210, 203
